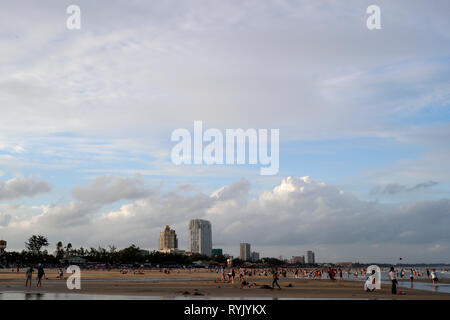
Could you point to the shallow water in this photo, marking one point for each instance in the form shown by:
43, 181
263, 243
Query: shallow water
75, 296
406, 284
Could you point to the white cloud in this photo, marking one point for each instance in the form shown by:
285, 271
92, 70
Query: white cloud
22, 187
109, 189
213, 61
436, 247
298, 212
4, 219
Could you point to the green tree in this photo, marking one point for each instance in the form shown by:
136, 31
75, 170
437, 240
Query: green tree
130, 254
59, 250
69, 249
36, 243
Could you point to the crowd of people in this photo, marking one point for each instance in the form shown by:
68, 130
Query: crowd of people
243, 274
332, 274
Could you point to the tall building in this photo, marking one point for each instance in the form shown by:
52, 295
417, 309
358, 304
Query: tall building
245, 253
200, 237
255, 256
168, 239
2, 246
310, 257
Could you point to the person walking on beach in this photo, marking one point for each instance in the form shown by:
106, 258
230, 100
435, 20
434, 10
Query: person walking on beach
40, 274
411, 276
241, 274
275, 279
393, 277
29, 275
233, 275
434, 277
341, 276
222, 274
428, 273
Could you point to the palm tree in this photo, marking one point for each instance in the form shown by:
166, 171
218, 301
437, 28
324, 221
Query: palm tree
35, 243
69, 249
59, 250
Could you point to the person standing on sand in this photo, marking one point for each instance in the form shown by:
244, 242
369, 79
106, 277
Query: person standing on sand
393, 278
233, 275
434, 277
428, 273
29, 275
341, 276
369, 285
222, 274
40, 274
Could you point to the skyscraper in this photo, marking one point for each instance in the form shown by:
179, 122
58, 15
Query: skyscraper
245, 253
2, 246
310, 258
255, 256
200, 236
168, 239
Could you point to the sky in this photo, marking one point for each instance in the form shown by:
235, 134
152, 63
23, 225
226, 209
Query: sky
86, 118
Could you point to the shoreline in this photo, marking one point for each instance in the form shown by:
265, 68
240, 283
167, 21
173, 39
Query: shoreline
200, 286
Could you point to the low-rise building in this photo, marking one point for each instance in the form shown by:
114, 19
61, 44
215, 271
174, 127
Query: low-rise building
298, 259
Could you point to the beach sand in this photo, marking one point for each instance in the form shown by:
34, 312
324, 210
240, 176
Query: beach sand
207, 284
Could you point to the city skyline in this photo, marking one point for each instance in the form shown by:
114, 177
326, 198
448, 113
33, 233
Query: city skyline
267, 248
363, 118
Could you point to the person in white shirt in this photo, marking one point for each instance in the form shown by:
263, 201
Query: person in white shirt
369, 285
434, 277
393, 278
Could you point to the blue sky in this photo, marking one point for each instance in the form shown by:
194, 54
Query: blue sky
363, 113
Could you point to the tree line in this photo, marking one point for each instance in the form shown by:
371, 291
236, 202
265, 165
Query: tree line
36, 252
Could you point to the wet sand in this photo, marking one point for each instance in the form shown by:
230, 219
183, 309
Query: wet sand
206, 284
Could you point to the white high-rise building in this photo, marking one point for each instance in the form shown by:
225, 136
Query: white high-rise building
245, 254
200, 237
310, 257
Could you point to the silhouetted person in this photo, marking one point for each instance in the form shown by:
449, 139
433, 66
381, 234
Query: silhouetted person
275, 279
393, 278
29, 275
40, 274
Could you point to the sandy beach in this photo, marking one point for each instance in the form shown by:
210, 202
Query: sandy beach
201, 284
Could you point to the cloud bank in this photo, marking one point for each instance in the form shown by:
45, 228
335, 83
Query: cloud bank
297, 212
22, 187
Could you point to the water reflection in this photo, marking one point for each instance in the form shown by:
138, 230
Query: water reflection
29, 296
69, 296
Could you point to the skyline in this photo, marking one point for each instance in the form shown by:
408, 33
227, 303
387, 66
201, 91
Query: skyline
363, 119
